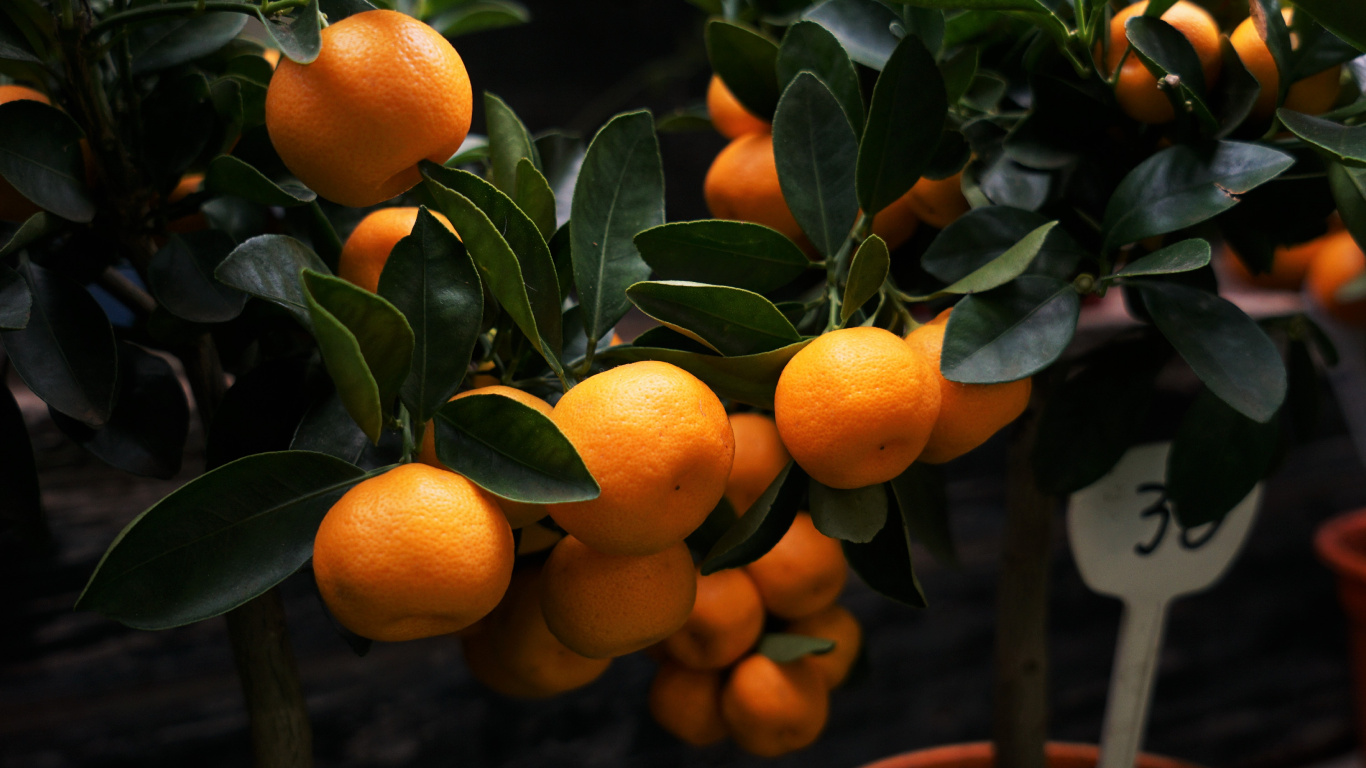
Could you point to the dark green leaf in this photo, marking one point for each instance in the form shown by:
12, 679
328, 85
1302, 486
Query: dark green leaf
512, 450
1349, 192
219, 541
928, 24
13, 47
958, 72
1237, 93
746, 62
327, 428
620, 192
762, 525
815, 150
66, 354
1184, 256
23, 509
731, 321
181, 276
849, 515
885, 562
42, 158
269, 267
983, 234
561, 158
15, 300
1181, 186
1346, 20
867, 272
750, 379
1003, 268
1226, 348
719, 520
921, 497
786, 648
337, 10
1011, 332
735, 253
534, 196
863, 27
1165, 51
807, 46
481, 15
299, 34
166, 44
1347, 143
905, 121
509, 142
433, 282
229, 175
34, 228
1217, 457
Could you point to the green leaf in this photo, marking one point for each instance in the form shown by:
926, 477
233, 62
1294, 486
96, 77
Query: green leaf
1237, 93
561, 158
1185, 256
1011, 332
366, 344
746, 62
815, 150
23, 508
512, 450
1181, 186
327, 428
718, 521
924, 506
66, 354
534, 196
165, 44
1003, 268
34, 228
269, 267
433, 282
731, 321
867, 272
229, 175
807, 46
42, 158
15, 300
1165, 51
509, 142
981, 235
735, 253
785, 648
1217, 458
958, 72
1226, 348
762, 526
219, 541
849, 515
928, 24
297, 35
620, 192
863, 27
1349, 192
904, 124
480, 16
1346, 20
181, 276
885, 562
748, 379
1346, 143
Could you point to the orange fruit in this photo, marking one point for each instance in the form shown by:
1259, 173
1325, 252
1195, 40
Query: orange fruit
968, 413
519, 513
604, 605
742, 185
13, 205
412, 553
726, 620
897, 222
659, 444
1338, 262
687, 703
1136, 89
834, 623
1313, 95
188, 185
759, 457
728, 115
367, 250
514, 652
272, 57
937, 202
1289, 265
771, 709
386, 92
856, 406
803, 574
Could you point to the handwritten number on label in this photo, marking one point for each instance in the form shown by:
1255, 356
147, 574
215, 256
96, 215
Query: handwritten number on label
1162, 509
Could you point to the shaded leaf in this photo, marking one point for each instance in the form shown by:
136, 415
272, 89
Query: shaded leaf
761, 526
270, 267
863, 27
1217, 458
815, 151
1346, 20
509, 142
923, 503
867, 272
42, 158
481, 15
981, 235
165, 44
849, 515
807, 46
885, 562
735, 253
905, 121
181, 276
297, 35
1346, 143
1003, 268
1165, 51
1011, 332
534, 196
34, 228
228, 175
731, 321
748, 379
746, 62
327, 428
1184, 256
15, 300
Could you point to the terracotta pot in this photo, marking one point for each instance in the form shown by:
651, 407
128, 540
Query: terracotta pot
1341, 544
978, 755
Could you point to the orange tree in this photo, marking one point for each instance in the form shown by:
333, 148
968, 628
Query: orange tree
1050, 151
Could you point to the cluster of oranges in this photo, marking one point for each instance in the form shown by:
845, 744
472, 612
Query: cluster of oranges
1321, 266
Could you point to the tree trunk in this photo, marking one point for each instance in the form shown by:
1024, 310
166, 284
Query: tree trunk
281, 736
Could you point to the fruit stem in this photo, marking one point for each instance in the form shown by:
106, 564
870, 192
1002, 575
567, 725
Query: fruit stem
410, 436
838, 265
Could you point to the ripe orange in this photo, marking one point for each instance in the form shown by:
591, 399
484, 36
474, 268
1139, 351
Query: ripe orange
687, 703
834, 623
1290, 264
367, 249
726, 620
728, 115
1136, 89
604, 605
386, 92
518, 513
937, 202
856, 406
659, 444
897, 222
771, 709
803, 574
742, 185
514, 652
1312, 95
968, 413
13, 205
1339, 262
759, 457
412, 553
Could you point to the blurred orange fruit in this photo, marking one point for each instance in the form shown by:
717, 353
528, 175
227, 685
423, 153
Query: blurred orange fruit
194, 222
937, 202
771, 709
1289, 265
726, 620
759, 457
728, 115
834, 623
742, 185
367, 250
1338, 262
803, 574
687, 703
1136, 89
1312, 95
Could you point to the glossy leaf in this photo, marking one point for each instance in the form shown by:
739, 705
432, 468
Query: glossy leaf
534, 196
23, 509
42, 158
561, 158
849, 515
1003, 268
298, 35
1225, 347
1217, 458
748, 379
15, 300
863, 27
270, 267
1346, 20
219, 541
923, 503
735, 253
1011, 332
481, 15
433, 282
512, 450
1164, 50
165, 44
815, 150
958, 72
807, 46
620, 192
66, 354
34, 228
905, 121
228, 175
867, 272
762, 525
981, 235
885, 562
509, 142
718, 521
1185, 256
786, 648
731, 321
1346, 143
1237, 93
327, 428
1181, 186
746, 62
181, 276
1349, 192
